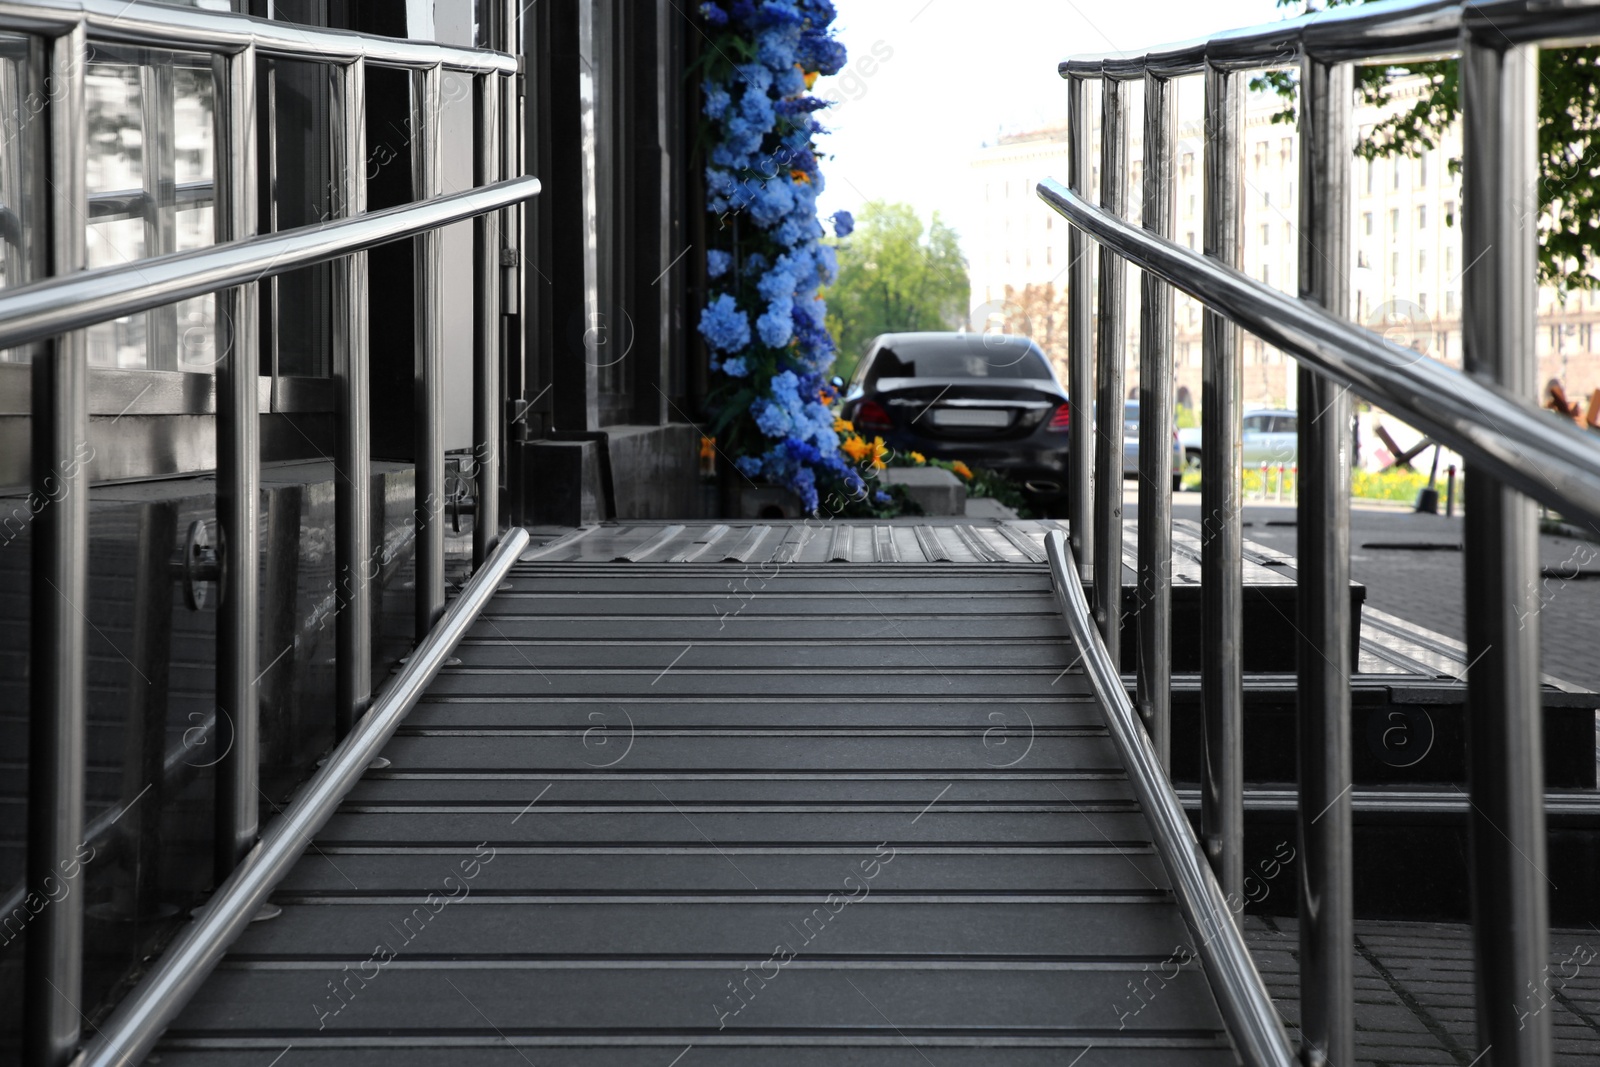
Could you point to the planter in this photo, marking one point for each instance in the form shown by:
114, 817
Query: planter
742, 500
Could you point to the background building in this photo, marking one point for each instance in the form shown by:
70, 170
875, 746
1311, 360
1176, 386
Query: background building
1406, 276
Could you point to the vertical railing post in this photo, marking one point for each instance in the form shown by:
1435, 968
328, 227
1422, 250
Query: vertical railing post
1221, 518
1080, 343
1155, 426
1327, 1010
486, 230
428, 395
238, 465
158, 165
57, 695
514, 387
352, 458
1111, 337
1510, 911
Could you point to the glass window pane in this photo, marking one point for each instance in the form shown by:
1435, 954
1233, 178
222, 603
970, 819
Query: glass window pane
150, 178
303, 195
16, 247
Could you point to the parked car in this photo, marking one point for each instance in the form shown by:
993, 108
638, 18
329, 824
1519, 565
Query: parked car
1130, 446
1269, 435
989, 400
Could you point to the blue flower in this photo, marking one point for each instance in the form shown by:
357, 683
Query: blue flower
779, 282
776, 326
817, 12
773, 200
750, 466
735, 367
780, 13
827, 264
724, 326
771, 418
790, 80
844, 224
713, 14
819, 52
718, 262
775, 48
717, 100
756, 76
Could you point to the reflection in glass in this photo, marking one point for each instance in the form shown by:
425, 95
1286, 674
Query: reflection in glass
150, 171
15, 111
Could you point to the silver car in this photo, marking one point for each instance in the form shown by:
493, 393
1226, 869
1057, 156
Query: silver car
1269, 435
1130, 446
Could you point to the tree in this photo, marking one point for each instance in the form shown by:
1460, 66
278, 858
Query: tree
895, 274
1569, 119
1038, 310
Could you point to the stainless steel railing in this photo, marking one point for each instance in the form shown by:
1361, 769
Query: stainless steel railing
1246, 1006
55, 312
1487, 413
137, 1022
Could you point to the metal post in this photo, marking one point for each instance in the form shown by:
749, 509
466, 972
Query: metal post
1111, 336
158, 157
1155, 426
53, 982
238, 467
428, 395
1080, 344
353, 460
1510, 911
486, 230
1327, 1008
1221, 518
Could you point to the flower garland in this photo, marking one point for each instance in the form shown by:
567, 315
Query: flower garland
764, 320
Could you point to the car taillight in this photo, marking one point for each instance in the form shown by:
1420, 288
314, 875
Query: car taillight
872, 418
1061, 421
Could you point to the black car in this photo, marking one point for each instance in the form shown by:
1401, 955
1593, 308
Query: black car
990, 400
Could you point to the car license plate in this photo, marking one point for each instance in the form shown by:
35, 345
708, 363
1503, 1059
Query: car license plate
990, 417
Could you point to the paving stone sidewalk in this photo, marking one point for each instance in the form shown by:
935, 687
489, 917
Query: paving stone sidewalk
1414, 990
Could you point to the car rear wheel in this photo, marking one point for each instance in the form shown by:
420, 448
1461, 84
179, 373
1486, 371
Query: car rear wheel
1191, 461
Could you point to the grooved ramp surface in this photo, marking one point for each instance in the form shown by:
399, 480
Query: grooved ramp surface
679, 813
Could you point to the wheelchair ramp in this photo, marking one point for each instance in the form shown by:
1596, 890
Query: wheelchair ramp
675, 814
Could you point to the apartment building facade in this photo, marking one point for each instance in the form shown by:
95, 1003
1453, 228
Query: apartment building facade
1406, 272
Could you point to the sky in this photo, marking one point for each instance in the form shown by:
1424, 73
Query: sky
929, 81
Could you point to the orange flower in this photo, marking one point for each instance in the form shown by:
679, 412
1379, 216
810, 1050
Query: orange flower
856, 449
708, 447
962, 469
918, 458
825, 399
811, 77
879, 450
800, 176
843, 426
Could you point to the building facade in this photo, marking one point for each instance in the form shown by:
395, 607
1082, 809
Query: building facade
1406, 273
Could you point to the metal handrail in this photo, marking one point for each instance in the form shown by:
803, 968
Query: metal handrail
1481, 422
138, 1021
1393, 30
1518, 454
1246, 1006
56, 310
167, 26
75, 301
116, 204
